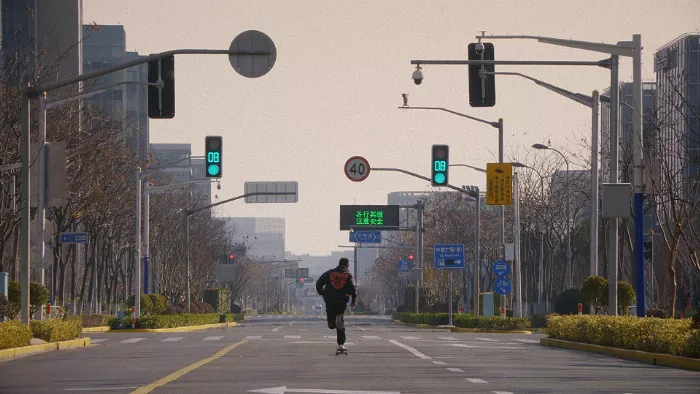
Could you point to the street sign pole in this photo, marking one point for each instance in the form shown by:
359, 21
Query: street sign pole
449, 278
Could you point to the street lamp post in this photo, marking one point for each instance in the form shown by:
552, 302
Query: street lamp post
568, 213
498, 125
631, 49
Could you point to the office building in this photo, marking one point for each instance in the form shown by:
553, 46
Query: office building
263, 238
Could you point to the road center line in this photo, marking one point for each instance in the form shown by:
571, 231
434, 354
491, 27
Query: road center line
410, 349
179, 373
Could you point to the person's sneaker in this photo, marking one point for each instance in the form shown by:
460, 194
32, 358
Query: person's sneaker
341, 348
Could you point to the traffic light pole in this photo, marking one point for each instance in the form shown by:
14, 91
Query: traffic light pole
30, 92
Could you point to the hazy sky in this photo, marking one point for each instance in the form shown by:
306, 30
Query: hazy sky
341, 68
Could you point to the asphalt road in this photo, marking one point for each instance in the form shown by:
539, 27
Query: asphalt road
296, 354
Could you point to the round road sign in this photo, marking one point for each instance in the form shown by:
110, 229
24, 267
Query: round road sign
357, 168
250, 65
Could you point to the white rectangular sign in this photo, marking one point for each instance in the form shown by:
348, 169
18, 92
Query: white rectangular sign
272, 187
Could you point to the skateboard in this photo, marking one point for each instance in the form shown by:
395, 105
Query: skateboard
343, 351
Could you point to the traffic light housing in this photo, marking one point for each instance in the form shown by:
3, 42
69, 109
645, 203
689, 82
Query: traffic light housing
231, 258
482, 89
213, 152
161, 101
440, 165
410, 257
648, 249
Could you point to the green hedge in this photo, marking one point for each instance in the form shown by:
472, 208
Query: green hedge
219, 299
55, 330
159, 304
14, 334
90, 321
649, 334
145, 301
465, 320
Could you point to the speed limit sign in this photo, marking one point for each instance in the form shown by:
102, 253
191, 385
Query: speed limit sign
357, 168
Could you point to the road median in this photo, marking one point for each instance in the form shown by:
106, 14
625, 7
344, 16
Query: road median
462, 329
635, 355
12, 353
177, 329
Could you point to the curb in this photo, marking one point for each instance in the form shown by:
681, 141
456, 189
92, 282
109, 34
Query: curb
462, 329
635, 355
8, 354
177, 329
96, 329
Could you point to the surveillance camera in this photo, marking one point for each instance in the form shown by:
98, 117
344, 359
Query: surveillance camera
479, 48
417, 76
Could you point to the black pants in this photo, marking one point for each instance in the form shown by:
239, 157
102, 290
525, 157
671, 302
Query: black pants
335, 313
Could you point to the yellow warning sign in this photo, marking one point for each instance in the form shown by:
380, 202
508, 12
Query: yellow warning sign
499, 184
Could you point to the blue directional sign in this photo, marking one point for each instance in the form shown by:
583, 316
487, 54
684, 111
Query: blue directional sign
502, 286
448, 256
501, 268
404, 265
366, 237
73, 238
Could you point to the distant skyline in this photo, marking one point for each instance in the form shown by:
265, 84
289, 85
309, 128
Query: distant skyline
340, 71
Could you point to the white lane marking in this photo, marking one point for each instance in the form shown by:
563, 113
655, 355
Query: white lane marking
447, 338
528, 340
276, 329
439, 362
252, 337
292, 336
409, 337
172, 339
100, 388
454, 370
329, 337
133, 340
473, 380
97, 340
486, 347
370, 337
410, 349
212, 338
487, 339
508, 392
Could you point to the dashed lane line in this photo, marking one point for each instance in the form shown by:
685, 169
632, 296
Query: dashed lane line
253, 337
487, 339
475, 380
292, 337
212, 338
439, 362
133, 340
448, 338
454, 370
172, 339
410, 349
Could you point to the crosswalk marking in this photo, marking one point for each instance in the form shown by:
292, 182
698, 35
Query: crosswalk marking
133, 340
97, 340
528, 340
329, 337
212, 338
506, 392
252, 337
172, 339
409, 337
487, 339
474, 380
454, 370
292, 336
461, 345
439, 362
371, 337
447, 338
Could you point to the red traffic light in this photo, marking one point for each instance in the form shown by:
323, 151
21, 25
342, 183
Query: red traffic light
410, 256
231, 256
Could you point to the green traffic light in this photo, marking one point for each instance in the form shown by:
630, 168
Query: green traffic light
213, 169
440, 178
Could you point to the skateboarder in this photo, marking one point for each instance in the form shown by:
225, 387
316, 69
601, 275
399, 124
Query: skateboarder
337, 286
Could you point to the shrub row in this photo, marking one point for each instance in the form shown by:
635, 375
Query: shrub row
14, 334
465, 321
219, 299
55, 330
668, 336
172, 321
90, 321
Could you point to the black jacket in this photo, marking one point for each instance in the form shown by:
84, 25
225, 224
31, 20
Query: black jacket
337, 286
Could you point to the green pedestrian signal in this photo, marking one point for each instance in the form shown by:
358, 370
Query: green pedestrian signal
213, 151
440, 165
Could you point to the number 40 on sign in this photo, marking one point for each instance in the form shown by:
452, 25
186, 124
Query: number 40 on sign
357, 168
